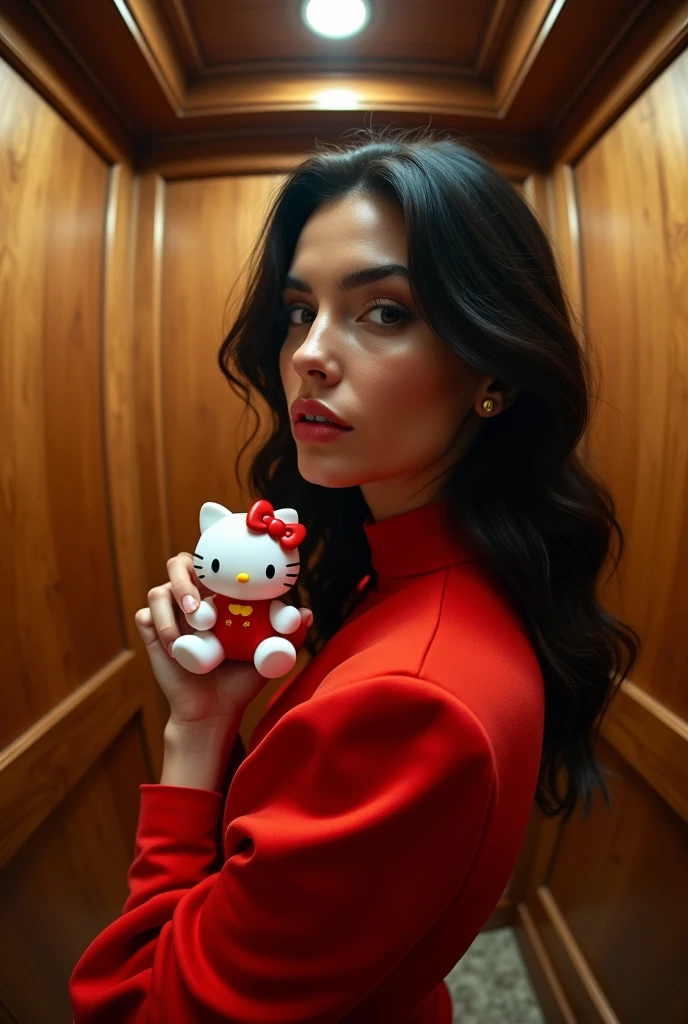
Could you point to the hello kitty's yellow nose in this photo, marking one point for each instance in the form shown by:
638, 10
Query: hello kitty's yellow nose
243, 577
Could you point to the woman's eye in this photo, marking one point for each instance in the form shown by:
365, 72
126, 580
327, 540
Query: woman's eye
385, 312
297, 309
390, 315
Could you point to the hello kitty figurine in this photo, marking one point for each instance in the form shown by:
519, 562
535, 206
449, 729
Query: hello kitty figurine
249, 559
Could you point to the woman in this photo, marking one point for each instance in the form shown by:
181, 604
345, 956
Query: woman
460, 660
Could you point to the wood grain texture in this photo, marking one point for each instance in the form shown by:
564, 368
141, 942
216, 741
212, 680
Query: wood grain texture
588, 898
57, 569
30, 45
39, 768
75, 676
399, 30
603, 925
610, 886
68, 882
506, 67
210, 226
633, 208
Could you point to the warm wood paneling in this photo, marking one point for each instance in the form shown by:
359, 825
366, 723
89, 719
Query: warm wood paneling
654, 741
210, 227
44, 59
58, 605
200, 67
113, 292
207, 230
603, 925
41, 766
619, 881
74, 671
68, 882
633, 210
399, 30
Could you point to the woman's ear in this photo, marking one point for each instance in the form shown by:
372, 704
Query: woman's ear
503, 394
510, 394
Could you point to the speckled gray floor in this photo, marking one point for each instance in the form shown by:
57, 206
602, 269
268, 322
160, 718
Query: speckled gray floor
490, 984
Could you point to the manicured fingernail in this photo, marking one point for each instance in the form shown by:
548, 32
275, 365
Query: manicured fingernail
169, 650
189, 603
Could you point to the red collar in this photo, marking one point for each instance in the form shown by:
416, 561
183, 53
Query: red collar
417, 542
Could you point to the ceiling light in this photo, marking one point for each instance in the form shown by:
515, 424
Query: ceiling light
335, 18
337, 99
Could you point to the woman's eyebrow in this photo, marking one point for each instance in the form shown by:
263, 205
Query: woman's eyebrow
356, 279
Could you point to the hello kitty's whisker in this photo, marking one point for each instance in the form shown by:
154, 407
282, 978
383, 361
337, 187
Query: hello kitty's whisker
198, 567
291, 574
196, 555
201, 577
289, 564
284, 584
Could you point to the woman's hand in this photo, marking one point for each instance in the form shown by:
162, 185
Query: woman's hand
224, 693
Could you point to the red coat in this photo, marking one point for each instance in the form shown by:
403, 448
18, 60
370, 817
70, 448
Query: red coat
368, 833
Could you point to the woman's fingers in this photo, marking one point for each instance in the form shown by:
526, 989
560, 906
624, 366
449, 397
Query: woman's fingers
162, 608
144, 624
149, 635
306, 616
180, 569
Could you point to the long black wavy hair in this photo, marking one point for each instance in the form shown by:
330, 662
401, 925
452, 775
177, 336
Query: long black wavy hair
484, 278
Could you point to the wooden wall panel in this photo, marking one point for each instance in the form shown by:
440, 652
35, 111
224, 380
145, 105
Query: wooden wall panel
609, 881
81, 724
58, 565
68, 882
633, 200
126, 402
194, 239
603, 923
210, 226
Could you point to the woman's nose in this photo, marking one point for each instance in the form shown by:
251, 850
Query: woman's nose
318, 354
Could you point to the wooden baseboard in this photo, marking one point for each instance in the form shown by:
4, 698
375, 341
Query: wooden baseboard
555, 1006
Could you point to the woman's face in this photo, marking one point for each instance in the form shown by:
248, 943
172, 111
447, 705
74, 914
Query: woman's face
366, 354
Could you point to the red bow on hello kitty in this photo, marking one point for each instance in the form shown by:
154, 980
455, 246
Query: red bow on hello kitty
261, 519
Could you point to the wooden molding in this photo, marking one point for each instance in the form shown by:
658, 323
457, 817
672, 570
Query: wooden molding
185, 34
30, 47
569, 962
154, 71
551, 996
653, 740
235, 153
121, 434
653, 43
189, 46
264, 92
155, 43
40, 767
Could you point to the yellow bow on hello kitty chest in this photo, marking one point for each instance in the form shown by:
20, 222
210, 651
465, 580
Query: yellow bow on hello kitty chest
240, 609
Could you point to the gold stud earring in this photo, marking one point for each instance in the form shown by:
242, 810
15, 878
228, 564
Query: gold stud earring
488, 404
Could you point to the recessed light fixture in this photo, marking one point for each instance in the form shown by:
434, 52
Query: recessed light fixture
337, 99
336, 19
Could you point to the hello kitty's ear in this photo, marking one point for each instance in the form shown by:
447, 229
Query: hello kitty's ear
212, 513
287, 515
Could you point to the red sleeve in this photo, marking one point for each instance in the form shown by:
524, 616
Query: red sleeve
352, 825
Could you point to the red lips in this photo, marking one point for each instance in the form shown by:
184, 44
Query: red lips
311, 407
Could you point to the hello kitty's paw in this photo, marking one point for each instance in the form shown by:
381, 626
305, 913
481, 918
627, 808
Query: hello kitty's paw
284, 618
306, 616
274, 656
204, 617
198, 653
